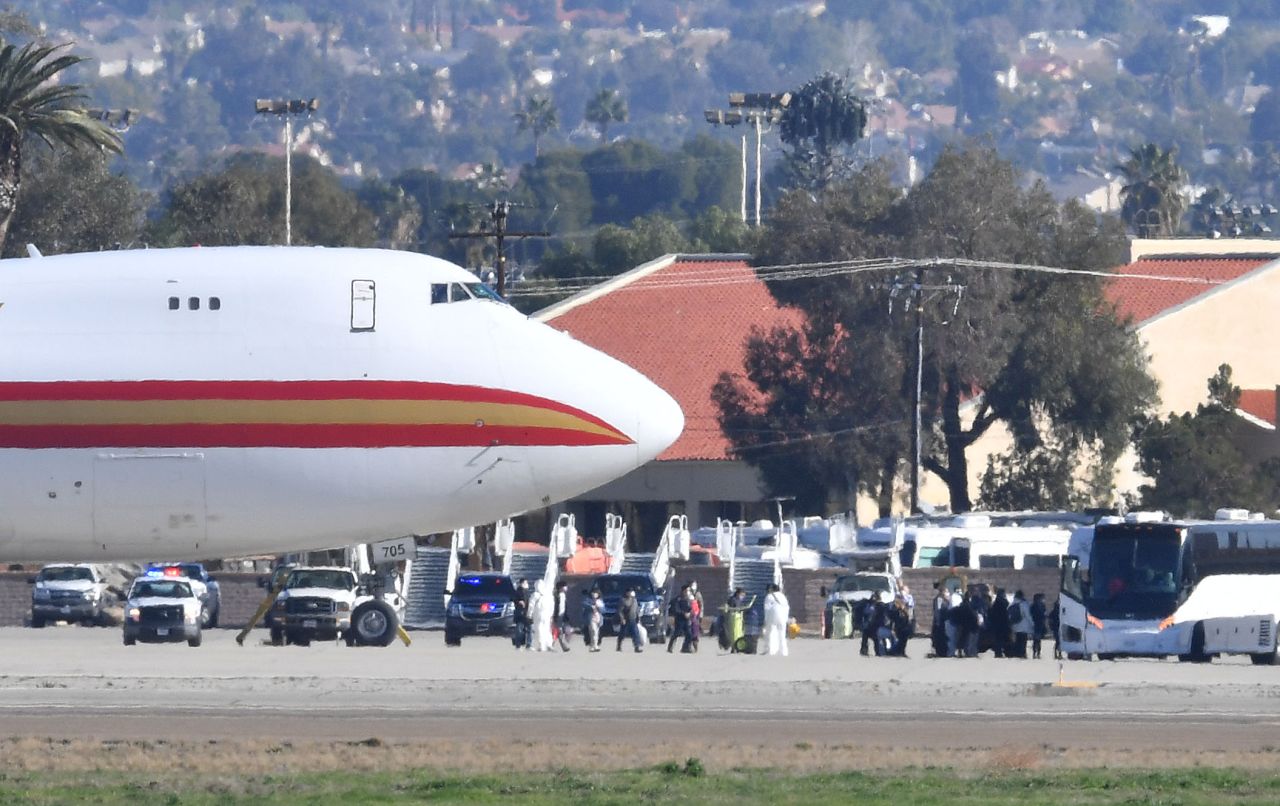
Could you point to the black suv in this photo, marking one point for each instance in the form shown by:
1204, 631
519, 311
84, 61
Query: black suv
651, 601
480, 604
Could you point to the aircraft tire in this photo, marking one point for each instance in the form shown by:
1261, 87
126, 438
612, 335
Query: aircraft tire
374, 623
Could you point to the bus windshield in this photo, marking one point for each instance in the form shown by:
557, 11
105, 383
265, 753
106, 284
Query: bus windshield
1133, 576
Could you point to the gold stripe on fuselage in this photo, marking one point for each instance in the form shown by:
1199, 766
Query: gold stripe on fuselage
290, 412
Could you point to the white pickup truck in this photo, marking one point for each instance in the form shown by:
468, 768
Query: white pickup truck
326, 603
1230, 614
65, 592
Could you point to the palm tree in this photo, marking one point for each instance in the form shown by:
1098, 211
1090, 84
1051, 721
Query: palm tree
31, 103
538, 115
605, 107
1151, 199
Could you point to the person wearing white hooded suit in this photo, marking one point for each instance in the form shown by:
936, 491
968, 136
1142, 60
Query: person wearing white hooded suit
540, 611
777, 612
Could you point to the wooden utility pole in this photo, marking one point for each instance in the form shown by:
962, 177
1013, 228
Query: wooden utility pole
496, 228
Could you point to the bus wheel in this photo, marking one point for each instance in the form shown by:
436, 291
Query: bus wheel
1264, 658
1106, 656
1196, 655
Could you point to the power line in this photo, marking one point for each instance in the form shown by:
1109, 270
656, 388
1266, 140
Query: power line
733, 275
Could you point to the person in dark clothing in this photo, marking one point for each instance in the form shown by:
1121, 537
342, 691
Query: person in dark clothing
965, 617
938, 634
522, 635
629, 621
997, 624
864, 615
1039, 623
880, 626
680, 610
901, 626
1055, 625
560, 614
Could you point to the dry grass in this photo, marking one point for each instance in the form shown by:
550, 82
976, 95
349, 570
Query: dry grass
259, 757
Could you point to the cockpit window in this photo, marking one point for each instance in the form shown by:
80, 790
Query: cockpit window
459, 292
482, 291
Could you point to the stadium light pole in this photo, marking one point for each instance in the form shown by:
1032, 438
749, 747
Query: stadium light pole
287, 108
731, 118
760, 109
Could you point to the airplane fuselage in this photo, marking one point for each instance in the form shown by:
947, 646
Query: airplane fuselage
229, 401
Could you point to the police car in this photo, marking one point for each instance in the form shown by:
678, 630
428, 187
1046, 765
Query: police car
162, 608
205, 586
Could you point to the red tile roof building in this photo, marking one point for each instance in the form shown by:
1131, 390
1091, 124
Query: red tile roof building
1260, 404
683, 320
1177, 280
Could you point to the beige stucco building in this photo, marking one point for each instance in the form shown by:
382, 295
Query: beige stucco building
1196, 304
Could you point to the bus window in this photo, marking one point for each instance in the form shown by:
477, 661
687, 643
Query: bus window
995, 561
932, 557
1040, 561
1072, 583
907, 554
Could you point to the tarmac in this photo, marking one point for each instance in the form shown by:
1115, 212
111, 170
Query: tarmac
82, 683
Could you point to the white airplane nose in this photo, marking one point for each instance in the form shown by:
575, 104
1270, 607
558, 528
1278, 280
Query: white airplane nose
660, 421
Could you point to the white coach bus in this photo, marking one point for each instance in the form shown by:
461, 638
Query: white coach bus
1134, 588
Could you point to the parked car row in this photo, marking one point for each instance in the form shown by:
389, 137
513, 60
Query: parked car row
166, 602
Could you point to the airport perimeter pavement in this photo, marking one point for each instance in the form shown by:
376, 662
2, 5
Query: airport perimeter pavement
72, 682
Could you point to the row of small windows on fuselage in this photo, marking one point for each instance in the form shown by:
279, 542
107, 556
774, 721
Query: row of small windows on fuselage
193, 303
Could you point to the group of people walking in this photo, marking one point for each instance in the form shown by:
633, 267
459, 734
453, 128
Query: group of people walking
541, 619
886, 624
966, 625
541, 616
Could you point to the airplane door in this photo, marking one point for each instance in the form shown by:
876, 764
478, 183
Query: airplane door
153, 506
363, 305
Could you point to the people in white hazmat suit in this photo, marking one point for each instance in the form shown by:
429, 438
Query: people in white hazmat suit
540, 611
777, 611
